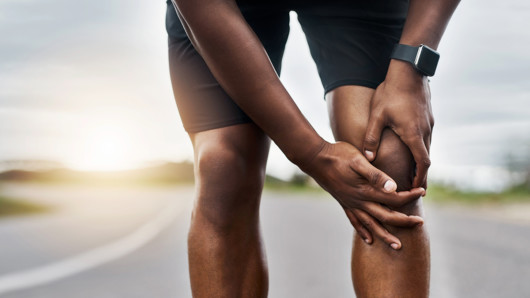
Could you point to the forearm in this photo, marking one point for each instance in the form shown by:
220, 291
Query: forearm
409, 112
425, 24
426, 21
240, 64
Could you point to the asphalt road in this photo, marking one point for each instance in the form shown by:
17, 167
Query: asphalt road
119, 242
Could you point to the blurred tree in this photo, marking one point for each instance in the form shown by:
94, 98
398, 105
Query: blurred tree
518, 163
299, 179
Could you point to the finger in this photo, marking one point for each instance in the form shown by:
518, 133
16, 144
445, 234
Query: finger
395, 199
390, 217
428, 145
421, 157
373, 175
373, 136
361, 230
407, 196
375, 227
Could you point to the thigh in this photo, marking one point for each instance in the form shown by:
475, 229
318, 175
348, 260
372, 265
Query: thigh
349, 109
201, 101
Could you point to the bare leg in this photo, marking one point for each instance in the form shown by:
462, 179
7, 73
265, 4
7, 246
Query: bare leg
377, 269
225, 251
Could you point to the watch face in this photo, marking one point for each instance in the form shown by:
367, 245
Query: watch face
427, 60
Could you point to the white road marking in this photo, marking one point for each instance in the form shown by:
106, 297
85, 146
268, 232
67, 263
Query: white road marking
92, 258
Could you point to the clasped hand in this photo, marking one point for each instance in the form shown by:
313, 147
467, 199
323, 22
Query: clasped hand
362, 190
404, 105
401, 102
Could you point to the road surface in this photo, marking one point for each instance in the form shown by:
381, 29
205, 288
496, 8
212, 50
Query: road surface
118, 242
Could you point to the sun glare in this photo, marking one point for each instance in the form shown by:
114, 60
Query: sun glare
105, 147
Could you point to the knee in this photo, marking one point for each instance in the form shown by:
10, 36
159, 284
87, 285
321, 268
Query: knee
395, 159
228, 170
230, 180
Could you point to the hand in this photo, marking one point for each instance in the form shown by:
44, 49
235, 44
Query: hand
361, 189
403, 103
365, 225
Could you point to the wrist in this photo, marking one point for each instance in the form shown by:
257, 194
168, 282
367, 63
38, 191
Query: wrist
402, 74
302, 153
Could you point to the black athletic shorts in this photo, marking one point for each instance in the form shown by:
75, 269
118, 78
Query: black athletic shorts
350, 42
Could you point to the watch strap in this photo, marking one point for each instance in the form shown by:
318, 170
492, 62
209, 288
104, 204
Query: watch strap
404, 52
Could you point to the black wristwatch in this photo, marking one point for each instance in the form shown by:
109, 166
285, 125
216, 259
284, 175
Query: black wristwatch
423, 58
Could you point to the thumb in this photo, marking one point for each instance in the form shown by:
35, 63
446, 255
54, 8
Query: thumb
372, 137
377, 178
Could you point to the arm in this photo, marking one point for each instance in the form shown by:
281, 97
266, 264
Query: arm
402, 101
239, 62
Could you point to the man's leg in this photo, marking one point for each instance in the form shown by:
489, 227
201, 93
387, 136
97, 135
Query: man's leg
377, 269
225, 252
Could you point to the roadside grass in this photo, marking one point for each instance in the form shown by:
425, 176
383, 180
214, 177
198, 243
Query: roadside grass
10, 207
447, 194
165, 174
436, 193
295, 186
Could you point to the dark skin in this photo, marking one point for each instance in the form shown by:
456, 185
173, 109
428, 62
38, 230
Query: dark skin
225, 249
409, 113
240, 64
376, 270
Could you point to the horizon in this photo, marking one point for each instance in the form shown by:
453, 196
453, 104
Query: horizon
45, 166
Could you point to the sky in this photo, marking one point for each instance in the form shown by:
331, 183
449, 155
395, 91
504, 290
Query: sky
86, 83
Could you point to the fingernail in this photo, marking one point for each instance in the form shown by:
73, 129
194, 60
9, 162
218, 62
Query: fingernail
395, 246
420, 221
424, 191
369, 154
367, 241
390, 186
